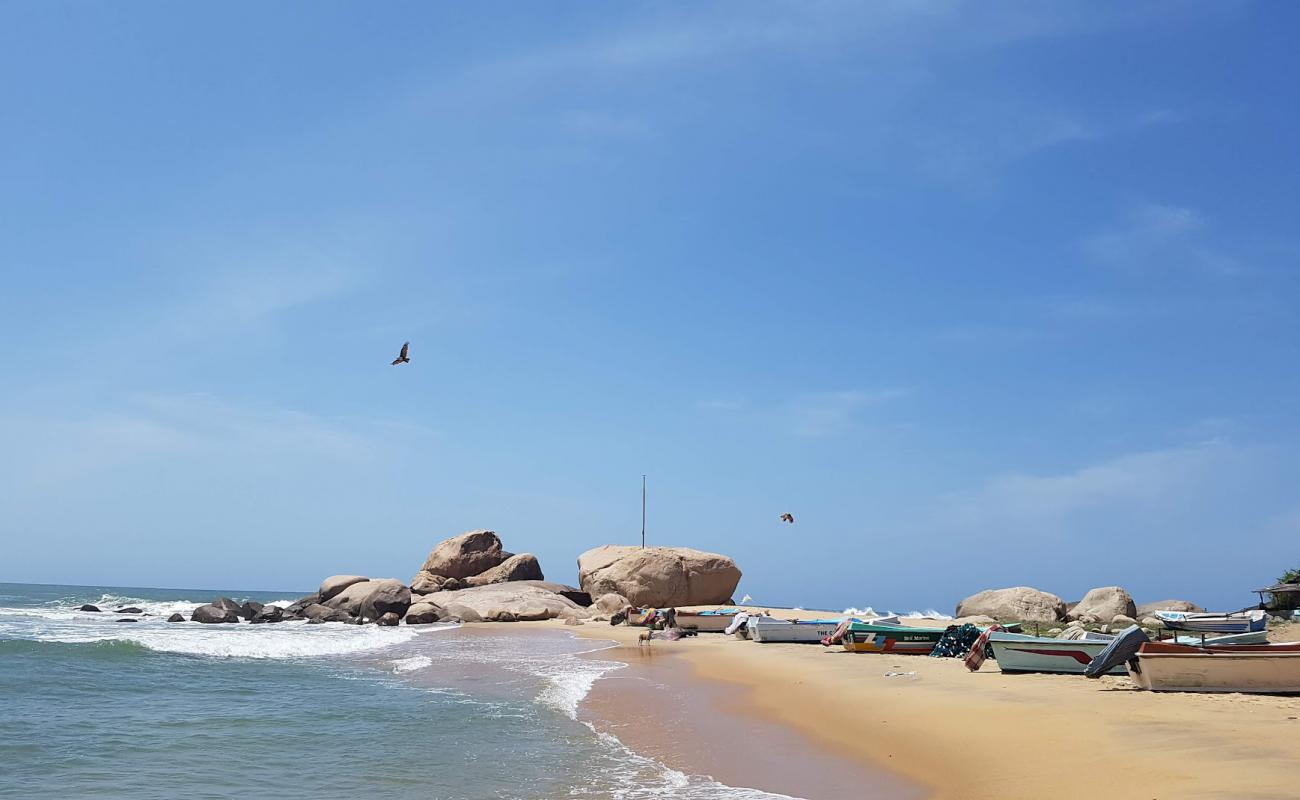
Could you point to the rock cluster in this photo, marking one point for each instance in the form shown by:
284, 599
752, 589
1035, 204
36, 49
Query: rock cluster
472, 578
1110, 606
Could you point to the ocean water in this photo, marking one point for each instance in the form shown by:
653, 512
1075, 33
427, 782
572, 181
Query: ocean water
93, 707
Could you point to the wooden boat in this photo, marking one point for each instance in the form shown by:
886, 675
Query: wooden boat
1252, 668
871, 637
714, 621
1236, 622
810, 631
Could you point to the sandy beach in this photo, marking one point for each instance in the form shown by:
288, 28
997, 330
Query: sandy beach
964, 735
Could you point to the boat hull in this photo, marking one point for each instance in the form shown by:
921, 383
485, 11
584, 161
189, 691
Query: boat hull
1213, 623
891, 639
1019, 653
1255, 669
787, 631
704, 623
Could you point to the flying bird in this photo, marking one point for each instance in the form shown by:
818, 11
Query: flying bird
788, 518
401, 357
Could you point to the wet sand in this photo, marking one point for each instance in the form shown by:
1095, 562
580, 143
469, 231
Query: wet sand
659, 708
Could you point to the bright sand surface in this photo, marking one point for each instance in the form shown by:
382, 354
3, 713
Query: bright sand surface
988, 735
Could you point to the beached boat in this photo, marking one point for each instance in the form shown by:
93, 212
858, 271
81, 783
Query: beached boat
1235, 622
811, 631
871, 637
713, 621
1017, 652
1249, 637
1259, 668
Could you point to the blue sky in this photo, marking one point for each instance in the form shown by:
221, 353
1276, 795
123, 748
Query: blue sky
984, 294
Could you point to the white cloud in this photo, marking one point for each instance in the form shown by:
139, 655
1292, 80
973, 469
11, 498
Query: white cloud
829, 413
1158, 237
191, 429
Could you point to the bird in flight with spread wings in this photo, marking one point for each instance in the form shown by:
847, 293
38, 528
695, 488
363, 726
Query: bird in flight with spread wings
788, 518
402, 357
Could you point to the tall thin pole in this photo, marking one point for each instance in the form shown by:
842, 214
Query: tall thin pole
642, 512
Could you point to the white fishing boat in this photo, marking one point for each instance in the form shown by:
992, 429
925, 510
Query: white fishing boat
1258, 669
712, 621
809, 631
1017, 652
1235, 622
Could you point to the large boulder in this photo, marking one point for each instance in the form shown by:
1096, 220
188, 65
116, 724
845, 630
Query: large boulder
465, 555
337, 583
213, 614
507, 601
1017, 603
1149, 609
1103, 604
523, 567
89, 607
610, 603
372, 599
423, 614
658, 576
250, 609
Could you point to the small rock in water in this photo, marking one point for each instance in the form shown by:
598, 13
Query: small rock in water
214, 614
128, 610
176, 618
127, 619
89, 607
268, 614
388, 619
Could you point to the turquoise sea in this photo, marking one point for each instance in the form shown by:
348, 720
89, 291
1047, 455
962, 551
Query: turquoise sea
93, 707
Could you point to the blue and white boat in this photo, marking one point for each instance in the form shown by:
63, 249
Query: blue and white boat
1235, 622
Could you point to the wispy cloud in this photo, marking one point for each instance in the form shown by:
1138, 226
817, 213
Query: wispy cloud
189, 429
1160, 237
812, 414
829, 413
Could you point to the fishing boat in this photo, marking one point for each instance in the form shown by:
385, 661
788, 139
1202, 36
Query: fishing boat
1249, 637
873, 637
1257, 668
1235, 622
1016, 652
713, 621
811, 631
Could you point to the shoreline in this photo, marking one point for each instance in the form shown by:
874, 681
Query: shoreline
657, 706
974, 735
